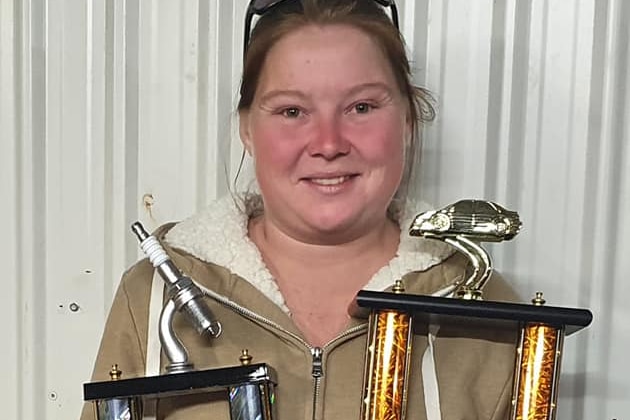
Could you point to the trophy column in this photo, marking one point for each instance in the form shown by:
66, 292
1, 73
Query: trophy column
251, 400
537, 370
128, 408
386, 368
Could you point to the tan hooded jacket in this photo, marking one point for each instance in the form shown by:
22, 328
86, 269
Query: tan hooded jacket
473, 365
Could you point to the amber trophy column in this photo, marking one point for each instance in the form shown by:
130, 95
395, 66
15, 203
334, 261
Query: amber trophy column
537, 370
386, 367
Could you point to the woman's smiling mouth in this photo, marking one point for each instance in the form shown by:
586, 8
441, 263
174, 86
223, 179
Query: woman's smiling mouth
329, 181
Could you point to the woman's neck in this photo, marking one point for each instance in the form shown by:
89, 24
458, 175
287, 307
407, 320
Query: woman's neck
318, 282
379, 244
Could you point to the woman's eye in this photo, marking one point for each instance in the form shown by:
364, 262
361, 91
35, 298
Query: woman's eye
291, 112
362, 108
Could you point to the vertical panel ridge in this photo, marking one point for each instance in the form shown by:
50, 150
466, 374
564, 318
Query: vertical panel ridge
131, 120
10, 312
433, 134
203, 73
108, 147
223, 167
495, 97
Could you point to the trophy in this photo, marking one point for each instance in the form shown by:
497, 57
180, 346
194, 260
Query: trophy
464, 225
250, 387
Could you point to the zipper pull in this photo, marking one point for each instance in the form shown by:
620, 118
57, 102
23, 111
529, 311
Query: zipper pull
318, 371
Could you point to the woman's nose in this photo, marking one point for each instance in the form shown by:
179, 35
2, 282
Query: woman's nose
329, 140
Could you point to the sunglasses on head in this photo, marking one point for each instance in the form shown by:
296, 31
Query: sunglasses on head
260, 7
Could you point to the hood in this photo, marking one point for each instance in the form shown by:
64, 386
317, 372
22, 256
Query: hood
218, 235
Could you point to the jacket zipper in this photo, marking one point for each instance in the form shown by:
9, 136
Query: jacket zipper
318, 366
317, 372
317, 353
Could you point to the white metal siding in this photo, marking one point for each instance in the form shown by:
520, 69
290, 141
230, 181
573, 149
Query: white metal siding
114, 111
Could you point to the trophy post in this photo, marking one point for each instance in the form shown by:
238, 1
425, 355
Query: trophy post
387, 361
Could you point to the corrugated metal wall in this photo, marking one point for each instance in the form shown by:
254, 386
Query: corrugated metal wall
114, 111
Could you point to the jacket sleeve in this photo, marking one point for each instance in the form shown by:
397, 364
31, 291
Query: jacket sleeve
124, 338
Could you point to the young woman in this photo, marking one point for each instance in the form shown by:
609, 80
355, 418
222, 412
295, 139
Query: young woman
330, 118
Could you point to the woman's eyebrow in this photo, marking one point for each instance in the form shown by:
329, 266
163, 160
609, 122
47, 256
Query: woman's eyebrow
300, 95
368, 86
272, 94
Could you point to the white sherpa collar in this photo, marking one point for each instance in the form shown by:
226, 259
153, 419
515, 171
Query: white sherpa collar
218, 235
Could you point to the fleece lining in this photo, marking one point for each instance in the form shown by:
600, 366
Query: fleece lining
218, 235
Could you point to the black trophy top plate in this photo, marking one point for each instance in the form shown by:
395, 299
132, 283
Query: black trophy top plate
179, 383
571, 319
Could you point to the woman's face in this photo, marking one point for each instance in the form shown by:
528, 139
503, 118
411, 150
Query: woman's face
326, 130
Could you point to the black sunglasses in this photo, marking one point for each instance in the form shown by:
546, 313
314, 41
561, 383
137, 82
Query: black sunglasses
260, 7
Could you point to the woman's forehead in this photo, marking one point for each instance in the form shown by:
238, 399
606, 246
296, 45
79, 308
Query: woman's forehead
319, 53
313, 33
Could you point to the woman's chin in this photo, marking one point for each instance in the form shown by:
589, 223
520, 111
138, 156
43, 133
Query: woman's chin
336, 230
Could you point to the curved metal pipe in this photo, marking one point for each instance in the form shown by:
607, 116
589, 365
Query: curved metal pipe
479, 259
173, 348
183, 296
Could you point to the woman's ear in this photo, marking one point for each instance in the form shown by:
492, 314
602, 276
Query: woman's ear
244, 133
